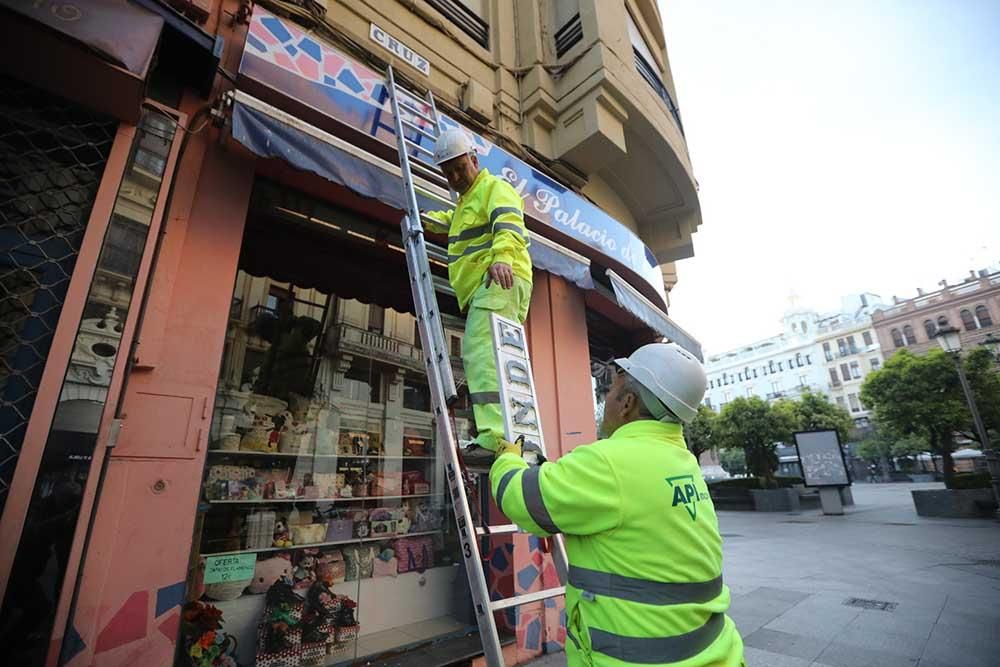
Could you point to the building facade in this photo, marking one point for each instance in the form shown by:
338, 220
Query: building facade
851, 350
972, 305
211, 374
829, 354
782, 366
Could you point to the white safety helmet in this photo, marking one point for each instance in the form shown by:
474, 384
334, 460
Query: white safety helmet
672, 374
450, 145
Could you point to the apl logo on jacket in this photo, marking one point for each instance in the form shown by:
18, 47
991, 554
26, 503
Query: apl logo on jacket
686, 494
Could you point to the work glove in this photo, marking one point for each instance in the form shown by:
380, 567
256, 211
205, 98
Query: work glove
507, 447
529, 451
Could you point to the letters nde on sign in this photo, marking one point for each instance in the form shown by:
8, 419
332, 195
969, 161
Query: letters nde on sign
400, 50
517, 387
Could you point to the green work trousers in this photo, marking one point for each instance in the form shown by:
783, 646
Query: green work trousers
478, 355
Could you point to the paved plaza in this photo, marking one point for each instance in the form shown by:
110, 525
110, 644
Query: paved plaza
926, 591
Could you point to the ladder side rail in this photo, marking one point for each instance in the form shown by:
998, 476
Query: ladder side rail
413, 235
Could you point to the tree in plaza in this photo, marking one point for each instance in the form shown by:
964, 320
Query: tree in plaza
922, 396
815, 412
752, 425
733, 461
883, 445
698, 433
982, 372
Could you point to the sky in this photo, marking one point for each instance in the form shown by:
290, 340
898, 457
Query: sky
839, 147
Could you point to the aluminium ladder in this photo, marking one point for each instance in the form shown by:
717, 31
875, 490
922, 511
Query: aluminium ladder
517, 387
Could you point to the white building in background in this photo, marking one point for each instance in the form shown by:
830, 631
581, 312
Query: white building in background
850, 349
788, 364
780, 366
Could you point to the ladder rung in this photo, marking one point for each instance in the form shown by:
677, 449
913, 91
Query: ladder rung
415, 111
518, 600
498, 530
419, 147
414, 126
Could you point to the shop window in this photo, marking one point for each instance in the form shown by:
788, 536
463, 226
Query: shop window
471, 16
911, 338
968, 321
867, 338
55, 502
331, 461
983, 316
897, 339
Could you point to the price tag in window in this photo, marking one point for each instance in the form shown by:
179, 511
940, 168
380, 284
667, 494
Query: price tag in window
219, 569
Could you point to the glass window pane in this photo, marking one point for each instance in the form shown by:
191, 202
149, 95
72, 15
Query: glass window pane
323, 462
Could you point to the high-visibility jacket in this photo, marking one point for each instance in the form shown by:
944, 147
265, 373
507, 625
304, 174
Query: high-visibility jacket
486, 226
645, 556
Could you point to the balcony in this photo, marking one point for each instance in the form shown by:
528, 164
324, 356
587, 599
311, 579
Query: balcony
354, 340
373, 345
611, 118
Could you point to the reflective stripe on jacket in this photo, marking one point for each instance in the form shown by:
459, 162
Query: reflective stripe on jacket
645, 555
486, 226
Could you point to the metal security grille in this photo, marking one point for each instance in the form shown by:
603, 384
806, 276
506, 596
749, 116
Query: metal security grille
52, 156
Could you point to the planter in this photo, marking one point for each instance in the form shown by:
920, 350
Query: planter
775, 500
808, 499
730, 499
955, 503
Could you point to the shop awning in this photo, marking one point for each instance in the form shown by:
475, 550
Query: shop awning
94, 52
271, 133
631, 300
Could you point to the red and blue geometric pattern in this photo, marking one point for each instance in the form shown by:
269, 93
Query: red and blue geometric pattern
282, 44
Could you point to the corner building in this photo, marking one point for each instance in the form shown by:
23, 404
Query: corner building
211, 374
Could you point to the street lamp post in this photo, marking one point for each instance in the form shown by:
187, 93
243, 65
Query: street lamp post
950, 339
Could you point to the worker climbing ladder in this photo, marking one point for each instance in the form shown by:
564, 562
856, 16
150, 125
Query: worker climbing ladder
418, 118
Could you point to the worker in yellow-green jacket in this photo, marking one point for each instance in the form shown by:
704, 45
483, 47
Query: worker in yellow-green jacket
645, 555
490, 270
